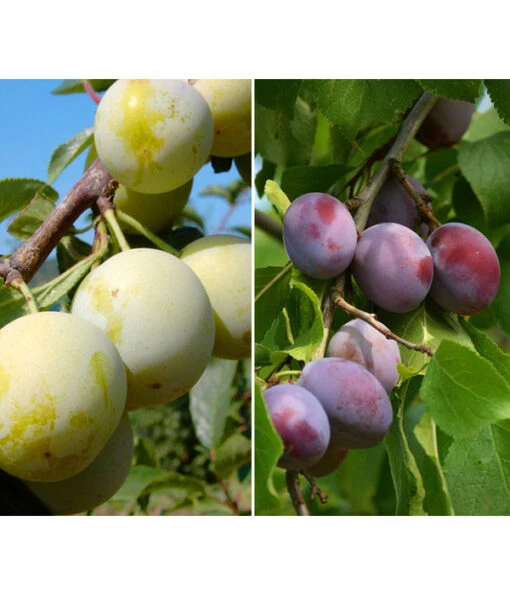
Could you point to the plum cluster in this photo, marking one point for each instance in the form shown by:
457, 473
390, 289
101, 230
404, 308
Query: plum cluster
398, 259
396, 262
154, 135
340, 402
144, 324
393, 266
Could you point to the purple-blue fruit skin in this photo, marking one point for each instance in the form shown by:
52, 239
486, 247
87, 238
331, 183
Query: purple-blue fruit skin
466, 269
330, 461
319, 235
394, 205
360, 342
358, 407
446, 123
301, 423
393, 267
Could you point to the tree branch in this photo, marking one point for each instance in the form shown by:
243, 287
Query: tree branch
268, 224
372, 320
405, 135
294, 489
27, 259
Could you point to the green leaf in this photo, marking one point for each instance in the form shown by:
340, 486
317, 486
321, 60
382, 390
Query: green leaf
17, 193
428, 324
282, 139
353, 105
31, 217
437, 498
359, 489
67, 152
232, 455
499, 92
145, 452
299, 329
462, 90
467, 206
76, 86
210, 400
12, 304
488, 349
278, 94
175, 482
407, 479
268, 450
486, 166
277, 197
463, 391
477, 471
484, 124
503, 296
70, 250
139, 477
52, 292
269, 305
300, 179
266, 172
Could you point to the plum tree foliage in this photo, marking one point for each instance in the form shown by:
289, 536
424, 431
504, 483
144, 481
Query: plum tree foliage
405, 345
96, 358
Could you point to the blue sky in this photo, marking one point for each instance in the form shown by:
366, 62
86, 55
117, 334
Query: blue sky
33, 122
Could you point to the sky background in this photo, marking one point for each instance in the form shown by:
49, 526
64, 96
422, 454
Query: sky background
33, 122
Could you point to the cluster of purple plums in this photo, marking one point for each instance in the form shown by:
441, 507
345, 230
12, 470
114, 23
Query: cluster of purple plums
341, 401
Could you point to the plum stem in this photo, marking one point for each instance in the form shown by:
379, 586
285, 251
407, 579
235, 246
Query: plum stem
22, 287
141, 229
316, 491
273, 281
91, 92
115, 230
421, 205
372, 320
294, 489
287, 373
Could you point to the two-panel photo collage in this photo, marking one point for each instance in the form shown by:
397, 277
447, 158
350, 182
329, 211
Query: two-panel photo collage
255, 297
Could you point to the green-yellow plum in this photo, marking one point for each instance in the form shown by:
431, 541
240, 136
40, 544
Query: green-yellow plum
62, 394
153, 135
154, 211
97, 483
230, 103
157, 312
223, 263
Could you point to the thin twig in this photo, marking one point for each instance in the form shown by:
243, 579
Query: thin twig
91, 92
294, 489
266, 223
274, 280
421, 204
316, 492
372, 320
